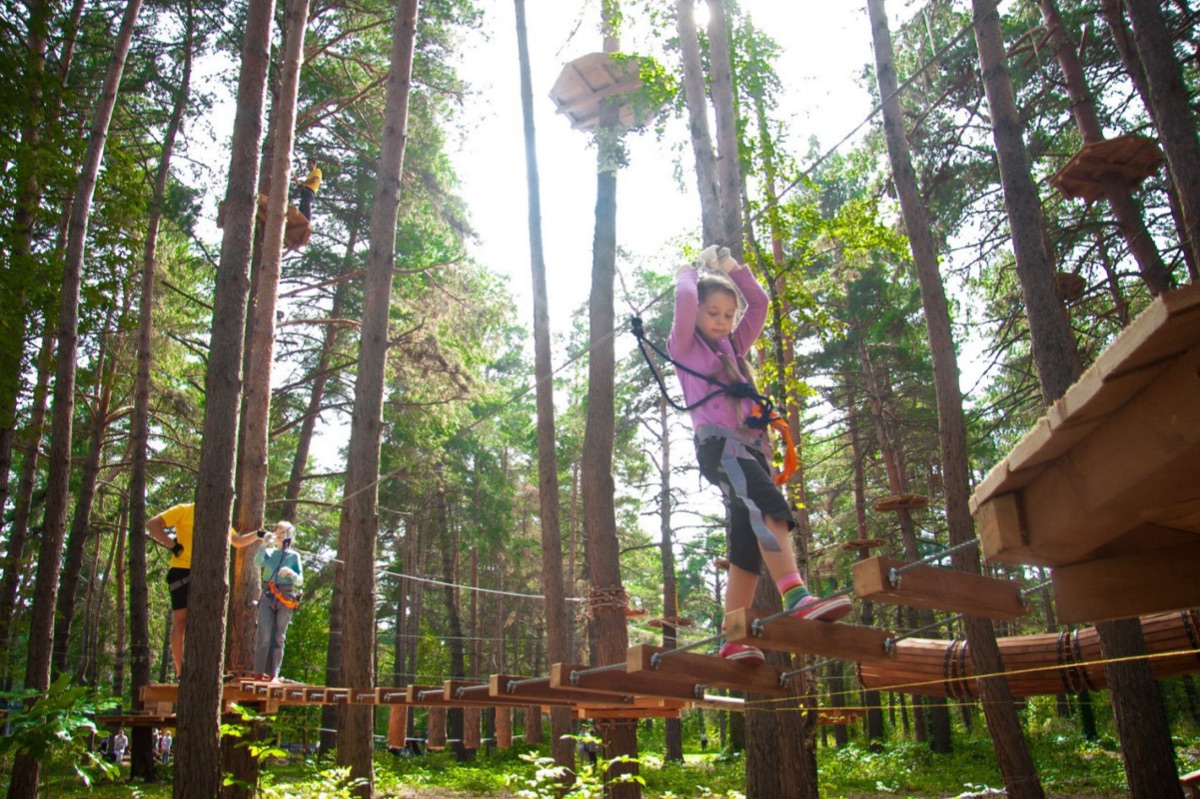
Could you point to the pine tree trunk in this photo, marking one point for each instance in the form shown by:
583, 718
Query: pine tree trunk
1120, 197
1016, 763
725, 104
142, 760
359, 509
1123, 39
18, 537
697, 108
1139, 721
317, 395
198, 745
608, 598
68, 582
1054, 353
548, 504
26, 770
1173, 113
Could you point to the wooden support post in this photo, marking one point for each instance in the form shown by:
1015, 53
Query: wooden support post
933, 588
397, 726
533, 724
435, 728
688, 667
845, 641
504, 727
472, 716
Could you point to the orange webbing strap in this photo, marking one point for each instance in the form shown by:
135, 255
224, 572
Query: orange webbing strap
287, 602
791, 461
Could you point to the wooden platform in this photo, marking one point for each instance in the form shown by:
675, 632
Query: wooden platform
296, 228
935, 588
1129, 159
592, 79
1105, 489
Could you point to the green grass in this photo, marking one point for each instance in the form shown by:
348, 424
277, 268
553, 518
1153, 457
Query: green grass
1067, 766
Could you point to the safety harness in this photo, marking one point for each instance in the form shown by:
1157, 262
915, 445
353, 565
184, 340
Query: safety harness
763, 415
737, 443
291, 602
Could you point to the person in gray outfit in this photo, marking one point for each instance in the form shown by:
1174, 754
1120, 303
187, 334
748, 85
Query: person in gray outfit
282, 576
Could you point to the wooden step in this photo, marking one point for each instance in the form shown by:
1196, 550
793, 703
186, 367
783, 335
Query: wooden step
690, 668
934, 588
538, 691
802, 637
621, 683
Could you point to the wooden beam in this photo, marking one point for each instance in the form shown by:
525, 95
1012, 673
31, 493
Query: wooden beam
620, 682
689, 667
538, 691
1131, 584
626, 713
846, 641
934, 588
1001, 528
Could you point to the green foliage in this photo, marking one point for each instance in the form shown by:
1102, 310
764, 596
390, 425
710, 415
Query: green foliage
56, 726
547, 779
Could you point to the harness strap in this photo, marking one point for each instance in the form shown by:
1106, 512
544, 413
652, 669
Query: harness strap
180, 583
286, 601
737, 445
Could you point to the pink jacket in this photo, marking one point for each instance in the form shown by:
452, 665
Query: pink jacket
686, 345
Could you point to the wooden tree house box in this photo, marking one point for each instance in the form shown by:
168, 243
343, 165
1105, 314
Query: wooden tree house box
598, 78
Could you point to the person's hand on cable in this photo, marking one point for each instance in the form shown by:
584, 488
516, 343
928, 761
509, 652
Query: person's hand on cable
716, 259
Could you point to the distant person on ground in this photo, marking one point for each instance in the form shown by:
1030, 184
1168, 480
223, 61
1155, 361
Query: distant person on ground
308, 187
719, 312
282, 576
119, 745
179, 570
164, 746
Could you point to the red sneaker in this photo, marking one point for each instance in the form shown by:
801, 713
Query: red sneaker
742, 653
815, 608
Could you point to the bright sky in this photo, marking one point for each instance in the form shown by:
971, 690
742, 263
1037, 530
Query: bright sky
825, 46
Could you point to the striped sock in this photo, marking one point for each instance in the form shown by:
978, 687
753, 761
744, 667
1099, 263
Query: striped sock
792, 588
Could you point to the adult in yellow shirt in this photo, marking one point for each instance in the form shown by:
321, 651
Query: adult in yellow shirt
179, 571
309, 186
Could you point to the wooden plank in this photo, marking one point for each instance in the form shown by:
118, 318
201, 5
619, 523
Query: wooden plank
846, 641
626, 713
480, 695
392, 696
708, 670
934, 588
1128, 585
620, 682
537, 690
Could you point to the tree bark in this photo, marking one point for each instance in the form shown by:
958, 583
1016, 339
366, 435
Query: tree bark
1054, 353
1141, 726
142, 760
724, 99
1125, 207
198, 746
359, 509
1123, 39
697, 108
26, 770
608, 598
548, 502
1173, 114
1012, 752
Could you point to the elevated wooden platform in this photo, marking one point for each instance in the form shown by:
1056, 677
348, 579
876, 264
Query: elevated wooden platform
935, 588
1105, 489
1128, 159
296, 228
593, 79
